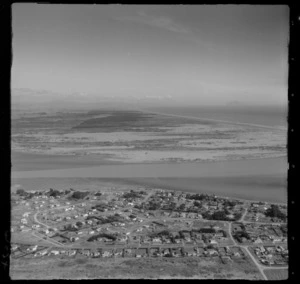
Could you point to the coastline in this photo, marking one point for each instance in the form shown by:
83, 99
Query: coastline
270, 189
248, 192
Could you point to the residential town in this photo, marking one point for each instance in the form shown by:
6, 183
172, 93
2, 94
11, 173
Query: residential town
148, 222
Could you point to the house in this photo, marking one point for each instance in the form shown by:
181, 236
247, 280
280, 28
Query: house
258, 240
212, 252
227, 249
34, 248
276, 239
156, 240
188, 240
122, 239
213, 242
128, 252
141, 252
279, 248
118, 252
225, 259
72, 252
166, 252
154, 252
270, 249
106, 253
95, 254
86, 252
189, 251
14, 247
41, 253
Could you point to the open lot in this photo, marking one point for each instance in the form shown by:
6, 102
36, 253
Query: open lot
82, 268
276, 274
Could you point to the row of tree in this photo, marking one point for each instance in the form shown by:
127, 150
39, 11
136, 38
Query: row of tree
275, 212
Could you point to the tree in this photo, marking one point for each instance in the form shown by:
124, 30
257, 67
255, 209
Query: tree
207, 230
21, 192
181, 207
227, 212
206, 215
219, 215
274, 212
241, 234
237, 216
79, 194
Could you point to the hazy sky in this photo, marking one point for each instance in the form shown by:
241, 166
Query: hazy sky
201, 53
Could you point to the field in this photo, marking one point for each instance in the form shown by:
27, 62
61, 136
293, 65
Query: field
147, 268
276, 274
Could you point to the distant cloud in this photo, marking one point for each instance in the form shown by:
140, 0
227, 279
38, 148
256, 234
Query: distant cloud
161, 22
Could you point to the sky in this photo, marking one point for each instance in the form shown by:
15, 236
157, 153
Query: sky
204, 54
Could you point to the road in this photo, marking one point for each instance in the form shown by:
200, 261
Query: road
148, 196
230, 235
50, 209
243, 216
37, 221
52, 242
256, 263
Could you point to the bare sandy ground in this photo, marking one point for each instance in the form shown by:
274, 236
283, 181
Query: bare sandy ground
188, 142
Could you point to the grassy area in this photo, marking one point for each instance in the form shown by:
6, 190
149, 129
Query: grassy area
276, 274
80, 268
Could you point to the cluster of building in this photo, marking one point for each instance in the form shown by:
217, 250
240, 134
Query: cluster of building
259, 233
272, 255
185, 205
257, 212
159, 222
35, 251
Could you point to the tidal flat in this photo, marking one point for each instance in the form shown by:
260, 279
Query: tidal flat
123, 136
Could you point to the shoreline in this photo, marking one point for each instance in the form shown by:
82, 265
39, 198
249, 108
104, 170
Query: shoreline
205, 188
92, 182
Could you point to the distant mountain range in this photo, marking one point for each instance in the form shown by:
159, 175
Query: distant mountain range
29, 98
25, 98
